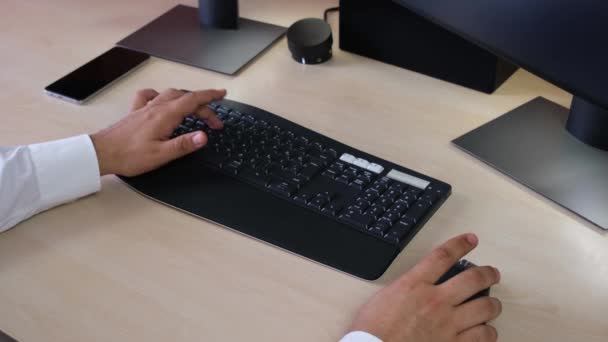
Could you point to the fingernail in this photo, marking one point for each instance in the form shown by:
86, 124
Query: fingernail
497, 273
472, 238
198, 139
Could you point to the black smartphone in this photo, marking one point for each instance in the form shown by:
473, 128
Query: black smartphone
84, 82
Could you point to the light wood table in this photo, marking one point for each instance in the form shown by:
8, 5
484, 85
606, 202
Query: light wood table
118, 267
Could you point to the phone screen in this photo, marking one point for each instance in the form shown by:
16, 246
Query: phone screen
96, 74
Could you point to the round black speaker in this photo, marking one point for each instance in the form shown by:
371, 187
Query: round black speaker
310, 41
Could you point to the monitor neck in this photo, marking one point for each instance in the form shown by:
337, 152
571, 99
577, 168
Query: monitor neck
588, 123
220, 14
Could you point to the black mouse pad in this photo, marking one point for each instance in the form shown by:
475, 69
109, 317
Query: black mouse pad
178, 36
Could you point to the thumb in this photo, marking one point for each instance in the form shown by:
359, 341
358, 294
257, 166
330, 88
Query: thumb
184, 144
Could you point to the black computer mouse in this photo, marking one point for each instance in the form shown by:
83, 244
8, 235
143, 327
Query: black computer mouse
460, 267
310, 41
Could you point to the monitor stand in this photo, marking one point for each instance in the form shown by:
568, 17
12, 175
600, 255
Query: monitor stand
6, 338
178, 36
532, 145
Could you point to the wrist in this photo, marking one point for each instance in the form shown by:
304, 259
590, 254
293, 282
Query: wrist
102, 154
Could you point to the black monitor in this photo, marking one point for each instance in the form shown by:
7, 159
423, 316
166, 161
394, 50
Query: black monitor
559, 152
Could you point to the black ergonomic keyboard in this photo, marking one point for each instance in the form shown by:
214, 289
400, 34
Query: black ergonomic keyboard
314, 174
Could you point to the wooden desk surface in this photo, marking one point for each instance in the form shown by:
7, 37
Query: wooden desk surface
118, 267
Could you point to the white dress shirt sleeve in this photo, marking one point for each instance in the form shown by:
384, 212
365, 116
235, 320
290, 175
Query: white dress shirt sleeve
360, 336
37, 177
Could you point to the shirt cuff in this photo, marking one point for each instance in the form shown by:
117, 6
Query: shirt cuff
66, 169
360, 336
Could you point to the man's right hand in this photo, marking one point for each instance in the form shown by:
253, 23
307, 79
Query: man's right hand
414, 309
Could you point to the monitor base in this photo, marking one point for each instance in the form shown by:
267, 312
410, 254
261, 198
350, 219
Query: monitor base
531, 145
178, 36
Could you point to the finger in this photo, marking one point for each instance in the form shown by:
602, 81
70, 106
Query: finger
480, 333
183, 145
464, 285
476, 312
168, 95
210, 117
142, 97
440, 260
192, 102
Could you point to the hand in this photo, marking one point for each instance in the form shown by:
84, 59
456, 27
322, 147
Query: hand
141, 141
413, 309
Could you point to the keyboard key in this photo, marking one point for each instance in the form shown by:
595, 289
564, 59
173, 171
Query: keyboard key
358, 184
349, 158
385, 180
359, 220
308, 172
189, 120
375, 211
367, 175
284, 175
329, 154
384, 203
332, 209
435, 189
213, 158
249, 119
254, 177
398, 232
407, 199
320, 162
317, 202
370, 195
399, 207
340, 166
222, 110
430, 197
301, 141
200, 125
352, 172
392, 194
283, 188
318, 147
233, 167
344, 178
407, 221
236, 114
298, 181
361, 163
326, 194
380, 229
415, 192
329, 174
391, 217
303, 198
399, 187
379, 187
361, 204
417, 212
375, 168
